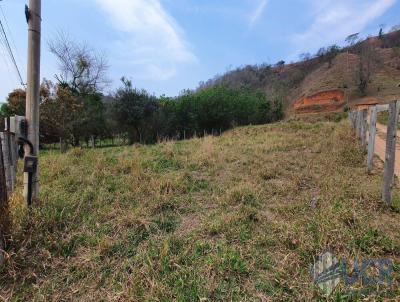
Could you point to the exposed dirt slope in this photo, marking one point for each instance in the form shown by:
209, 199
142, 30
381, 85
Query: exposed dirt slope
331, 100
342, 76
307, 86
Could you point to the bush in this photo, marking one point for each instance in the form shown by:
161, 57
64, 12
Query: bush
209, 110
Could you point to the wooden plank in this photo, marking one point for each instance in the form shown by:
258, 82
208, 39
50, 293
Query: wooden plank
358, 124
371, 139
3, 207
381, 108
6, 159
354, 121
13, 160
388, 174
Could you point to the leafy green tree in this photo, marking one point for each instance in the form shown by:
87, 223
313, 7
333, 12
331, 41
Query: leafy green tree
132, 109
15, 103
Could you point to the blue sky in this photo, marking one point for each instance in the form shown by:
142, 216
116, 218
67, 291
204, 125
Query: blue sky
166, 46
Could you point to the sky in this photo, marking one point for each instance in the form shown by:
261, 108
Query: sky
166, 46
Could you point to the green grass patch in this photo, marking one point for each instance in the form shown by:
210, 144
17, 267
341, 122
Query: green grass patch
239, 217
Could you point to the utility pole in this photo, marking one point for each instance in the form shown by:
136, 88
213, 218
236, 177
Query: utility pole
33, 15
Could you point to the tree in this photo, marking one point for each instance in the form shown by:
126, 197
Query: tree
331, 54
81, 68
321, 52
60, 116
381, 28
16, 100
369, 61
305, 56
81, 78
15, 103
132, 109
395, 28
352, 39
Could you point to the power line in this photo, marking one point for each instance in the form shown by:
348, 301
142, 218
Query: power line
18, 57
10, 52
6, 63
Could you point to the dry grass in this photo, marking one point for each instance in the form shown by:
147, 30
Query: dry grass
233, 218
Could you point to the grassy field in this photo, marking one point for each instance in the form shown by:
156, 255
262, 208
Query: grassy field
240, 217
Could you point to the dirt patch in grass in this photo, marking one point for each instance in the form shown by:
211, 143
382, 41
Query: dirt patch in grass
240, 217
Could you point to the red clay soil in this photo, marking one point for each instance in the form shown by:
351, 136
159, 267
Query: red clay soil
325, 101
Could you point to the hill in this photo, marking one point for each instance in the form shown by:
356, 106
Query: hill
239, 217
368, 71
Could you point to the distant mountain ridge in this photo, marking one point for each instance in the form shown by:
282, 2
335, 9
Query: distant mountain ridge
366, 71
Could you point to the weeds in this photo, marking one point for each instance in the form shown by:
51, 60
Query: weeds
240, 217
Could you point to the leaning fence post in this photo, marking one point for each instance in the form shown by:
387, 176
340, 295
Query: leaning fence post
390, 157
371, 139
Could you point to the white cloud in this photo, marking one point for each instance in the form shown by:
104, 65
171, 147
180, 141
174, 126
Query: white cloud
149, 38
258, 12
334, 20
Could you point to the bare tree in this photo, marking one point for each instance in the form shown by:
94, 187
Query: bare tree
395, 28
81, 68
352, 39
305, 56
369, 62
331, 53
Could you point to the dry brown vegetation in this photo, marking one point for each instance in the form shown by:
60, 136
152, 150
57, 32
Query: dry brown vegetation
327, 71
240, 217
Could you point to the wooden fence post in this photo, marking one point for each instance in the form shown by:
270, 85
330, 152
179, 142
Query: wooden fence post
5, 141
364, 115
3, 205
371, 140
358, 124
390, 157
354, 121
351, 118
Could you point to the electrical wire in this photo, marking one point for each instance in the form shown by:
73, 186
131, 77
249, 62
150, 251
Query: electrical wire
3, 53
18, 57
10, 52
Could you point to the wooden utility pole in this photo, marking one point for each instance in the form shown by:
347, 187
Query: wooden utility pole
33, 14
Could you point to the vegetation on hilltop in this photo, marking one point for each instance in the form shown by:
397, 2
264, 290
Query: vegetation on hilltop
363, 67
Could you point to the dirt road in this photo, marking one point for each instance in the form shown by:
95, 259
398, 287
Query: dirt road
380, 146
